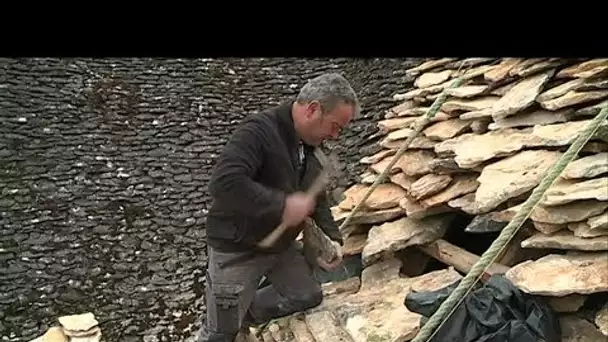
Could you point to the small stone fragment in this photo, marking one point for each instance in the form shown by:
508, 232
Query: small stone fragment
601, 320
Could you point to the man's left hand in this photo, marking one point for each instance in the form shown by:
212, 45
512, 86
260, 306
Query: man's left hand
328, 266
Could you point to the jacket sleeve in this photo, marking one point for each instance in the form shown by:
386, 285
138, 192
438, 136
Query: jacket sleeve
232, 178
325, 220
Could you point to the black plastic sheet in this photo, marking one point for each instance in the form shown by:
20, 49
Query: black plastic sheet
495, 312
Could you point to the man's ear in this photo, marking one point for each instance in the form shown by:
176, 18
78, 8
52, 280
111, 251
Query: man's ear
311, 108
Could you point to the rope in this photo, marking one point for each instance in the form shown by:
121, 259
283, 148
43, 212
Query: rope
442, 314
418, 127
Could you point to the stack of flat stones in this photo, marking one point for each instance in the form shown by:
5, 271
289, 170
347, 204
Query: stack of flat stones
73, 328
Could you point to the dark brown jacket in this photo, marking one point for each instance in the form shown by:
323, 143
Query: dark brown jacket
254, 173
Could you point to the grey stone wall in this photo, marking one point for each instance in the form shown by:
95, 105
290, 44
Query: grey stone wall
103, 171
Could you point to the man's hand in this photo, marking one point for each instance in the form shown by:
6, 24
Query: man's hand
298, 206
328, 266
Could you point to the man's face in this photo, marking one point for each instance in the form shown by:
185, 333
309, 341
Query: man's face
326, 126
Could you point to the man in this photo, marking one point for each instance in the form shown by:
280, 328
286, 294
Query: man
260, 181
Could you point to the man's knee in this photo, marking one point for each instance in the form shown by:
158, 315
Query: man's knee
309, 300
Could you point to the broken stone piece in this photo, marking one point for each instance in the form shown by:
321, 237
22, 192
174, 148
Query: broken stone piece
478, 103
598, 222
415, 162
550, 63
369, 160
432, 78
560, 90
570, 303
466, 91
401, 107
79, 323
350, 285
572, 71
583, 230
324, 326
428, 185
525, 64
532, 118
548, 228
366, 216
390, 125
562, 275
587, 167
429, 65
55, 334
565, 239
417, 211
446, 129
501, 71
384, 196
403, 180
354, 244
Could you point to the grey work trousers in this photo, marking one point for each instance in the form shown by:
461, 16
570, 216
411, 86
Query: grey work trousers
233, 299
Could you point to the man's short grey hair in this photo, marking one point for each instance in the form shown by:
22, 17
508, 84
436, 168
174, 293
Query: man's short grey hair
329, 90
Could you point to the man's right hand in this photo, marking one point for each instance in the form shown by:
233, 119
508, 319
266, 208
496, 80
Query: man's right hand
298, 206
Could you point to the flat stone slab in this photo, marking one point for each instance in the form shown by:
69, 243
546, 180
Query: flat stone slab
562, 275
387, 238
565, 239
587, 167
521, 96
570, 190
532, 118
511, 177
471, 149
574, 97
368, 216
560, 90
558, 214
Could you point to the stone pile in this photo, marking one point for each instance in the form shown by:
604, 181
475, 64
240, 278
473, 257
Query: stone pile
480, 157
73, 328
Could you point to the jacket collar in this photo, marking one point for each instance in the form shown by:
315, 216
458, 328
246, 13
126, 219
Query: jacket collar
286, 123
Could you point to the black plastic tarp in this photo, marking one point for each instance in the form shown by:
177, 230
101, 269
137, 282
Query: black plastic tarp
495, 312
